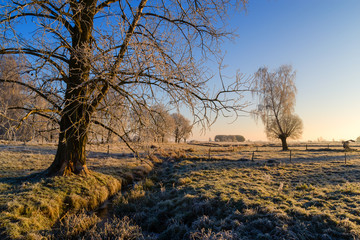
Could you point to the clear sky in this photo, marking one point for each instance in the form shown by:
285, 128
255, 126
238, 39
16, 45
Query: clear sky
321, 40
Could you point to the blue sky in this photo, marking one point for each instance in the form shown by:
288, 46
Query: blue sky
321, 39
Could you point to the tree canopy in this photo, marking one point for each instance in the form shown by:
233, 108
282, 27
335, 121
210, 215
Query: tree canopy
95, 62
276, 93
182, 127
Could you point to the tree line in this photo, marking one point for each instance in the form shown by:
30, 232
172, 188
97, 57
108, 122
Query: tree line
17, 123
155, 125
229, 138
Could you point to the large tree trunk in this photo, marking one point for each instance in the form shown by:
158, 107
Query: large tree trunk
70, 157
284, 144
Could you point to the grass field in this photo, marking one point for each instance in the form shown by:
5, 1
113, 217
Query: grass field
199, 191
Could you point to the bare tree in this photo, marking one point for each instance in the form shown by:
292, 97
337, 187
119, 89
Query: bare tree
141, 53
276, 93
182, 129
161, 123
151, 125
12, 96
15, 103
291, 126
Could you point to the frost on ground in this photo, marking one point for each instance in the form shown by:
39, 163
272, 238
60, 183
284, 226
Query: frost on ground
198, 192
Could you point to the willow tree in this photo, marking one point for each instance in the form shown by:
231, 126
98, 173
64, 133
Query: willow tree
89, 58
276, 93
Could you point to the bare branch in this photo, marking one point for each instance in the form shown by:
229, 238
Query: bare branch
41, 94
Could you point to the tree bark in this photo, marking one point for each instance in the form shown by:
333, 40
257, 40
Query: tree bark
70, 157
284, 144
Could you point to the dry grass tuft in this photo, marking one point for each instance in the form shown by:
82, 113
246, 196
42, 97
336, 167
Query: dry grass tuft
77, 224
190, 150
153, 158
173, 153
88, 226
185, 180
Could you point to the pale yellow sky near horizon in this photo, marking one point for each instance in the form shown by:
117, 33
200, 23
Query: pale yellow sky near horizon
246, 126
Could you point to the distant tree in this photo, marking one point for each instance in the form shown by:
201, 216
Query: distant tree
291, 126
240, 138
358, 139
182, 129
14, 100
154, 124
321, 139
276, 93
219, 138
229, 138
163, 124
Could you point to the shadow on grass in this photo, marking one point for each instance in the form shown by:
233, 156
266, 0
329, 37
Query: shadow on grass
46, 150
177, 208
51, 150
17, 180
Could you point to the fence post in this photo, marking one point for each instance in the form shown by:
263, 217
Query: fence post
345, 157
252, 157
209, 153
306, 147
290, 155
108, 150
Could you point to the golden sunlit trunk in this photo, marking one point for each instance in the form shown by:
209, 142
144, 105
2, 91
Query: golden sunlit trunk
71, 155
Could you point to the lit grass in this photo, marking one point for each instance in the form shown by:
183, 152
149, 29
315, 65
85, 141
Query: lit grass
36, 204
316, 196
